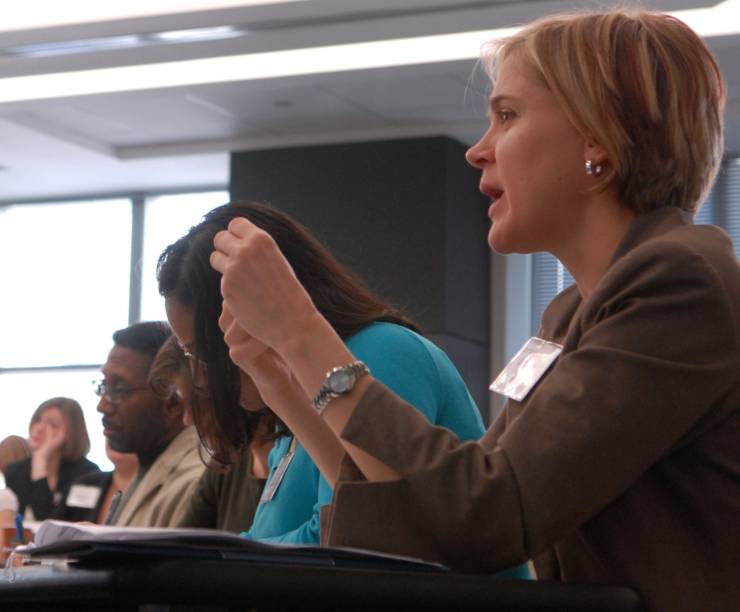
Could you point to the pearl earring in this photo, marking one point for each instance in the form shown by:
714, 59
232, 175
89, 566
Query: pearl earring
593, 170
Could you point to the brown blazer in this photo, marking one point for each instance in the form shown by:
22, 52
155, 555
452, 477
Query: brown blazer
621, 467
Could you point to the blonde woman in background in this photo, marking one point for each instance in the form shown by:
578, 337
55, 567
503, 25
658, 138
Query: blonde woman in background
59, 442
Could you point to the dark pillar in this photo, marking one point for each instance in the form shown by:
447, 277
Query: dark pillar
405, 215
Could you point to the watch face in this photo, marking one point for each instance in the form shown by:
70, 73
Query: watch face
341, 382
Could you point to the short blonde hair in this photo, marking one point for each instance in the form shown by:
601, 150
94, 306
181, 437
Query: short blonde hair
644, 86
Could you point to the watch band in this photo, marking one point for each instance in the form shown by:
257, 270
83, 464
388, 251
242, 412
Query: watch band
352, 373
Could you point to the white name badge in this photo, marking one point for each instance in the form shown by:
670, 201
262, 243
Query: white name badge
521, 374
83, 496
277, 477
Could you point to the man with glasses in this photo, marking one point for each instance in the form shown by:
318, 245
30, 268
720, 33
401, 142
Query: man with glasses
136, 420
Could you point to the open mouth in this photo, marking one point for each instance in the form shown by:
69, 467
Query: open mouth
492, 192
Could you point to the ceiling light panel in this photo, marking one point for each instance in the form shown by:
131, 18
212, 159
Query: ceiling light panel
131, 41
721, 19
272, 64
33, 14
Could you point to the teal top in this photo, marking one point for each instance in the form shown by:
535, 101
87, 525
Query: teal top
416, 370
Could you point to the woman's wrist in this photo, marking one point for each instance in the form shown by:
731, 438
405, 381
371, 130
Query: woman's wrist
39, 466
312, 350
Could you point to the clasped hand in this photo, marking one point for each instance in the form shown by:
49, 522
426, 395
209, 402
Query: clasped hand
263, 306
53, 442
258, 286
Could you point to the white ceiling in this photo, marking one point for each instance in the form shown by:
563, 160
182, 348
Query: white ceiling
181, 137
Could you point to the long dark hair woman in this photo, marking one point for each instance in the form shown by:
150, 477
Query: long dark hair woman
379, 336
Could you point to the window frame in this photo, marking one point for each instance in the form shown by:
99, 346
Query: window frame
138, 201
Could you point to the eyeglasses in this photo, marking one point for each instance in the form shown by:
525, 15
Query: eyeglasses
115, 395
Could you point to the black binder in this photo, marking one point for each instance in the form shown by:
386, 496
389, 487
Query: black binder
98, 545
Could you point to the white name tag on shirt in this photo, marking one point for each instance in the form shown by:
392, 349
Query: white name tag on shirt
523, 372
277, 477
83, 496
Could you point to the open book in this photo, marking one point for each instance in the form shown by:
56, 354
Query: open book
98, 544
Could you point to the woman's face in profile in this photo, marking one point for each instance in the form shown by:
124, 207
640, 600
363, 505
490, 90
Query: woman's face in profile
181, 321
50, 424
532, 164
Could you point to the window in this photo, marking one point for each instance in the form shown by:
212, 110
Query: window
23, 391
166, 218
549, 276
65, 281
68, 284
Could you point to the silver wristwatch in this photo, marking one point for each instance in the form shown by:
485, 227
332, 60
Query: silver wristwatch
339, 381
